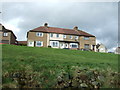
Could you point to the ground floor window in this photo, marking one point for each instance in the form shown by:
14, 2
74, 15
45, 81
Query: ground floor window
39, 43
86, 46
4, 41
74, 45
30, 43
54, 43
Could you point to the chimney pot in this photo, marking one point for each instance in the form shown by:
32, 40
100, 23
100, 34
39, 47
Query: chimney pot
76, 28
46, 24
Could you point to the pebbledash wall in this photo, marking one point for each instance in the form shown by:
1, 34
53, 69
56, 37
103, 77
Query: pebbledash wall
62, 40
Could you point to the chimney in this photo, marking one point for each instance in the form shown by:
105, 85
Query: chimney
46, 24
75, 28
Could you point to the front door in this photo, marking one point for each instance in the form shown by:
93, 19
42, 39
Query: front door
61, 45
66, 45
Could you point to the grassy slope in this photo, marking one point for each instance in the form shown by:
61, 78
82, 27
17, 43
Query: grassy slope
48, 63
15, 56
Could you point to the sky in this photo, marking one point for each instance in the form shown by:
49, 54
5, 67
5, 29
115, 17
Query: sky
97, 18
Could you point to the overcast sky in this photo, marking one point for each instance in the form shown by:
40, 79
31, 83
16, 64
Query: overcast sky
97, 18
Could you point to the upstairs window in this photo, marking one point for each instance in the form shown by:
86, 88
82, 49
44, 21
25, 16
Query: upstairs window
76, 37
57, 35
64, 36
70, 37
5, 34
86, 38
39, 34
51, 34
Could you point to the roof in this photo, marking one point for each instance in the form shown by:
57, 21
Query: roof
22, 42
7, 30
83, 33
61, 31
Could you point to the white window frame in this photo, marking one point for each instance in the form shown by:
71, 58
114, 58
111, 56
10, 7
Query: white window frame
64, 36
74, 44
39, 42
86, 38
5, 34
87, 47
39, 34
71, 36
54, 43
51, 34
30, 43
57, 35
76, 37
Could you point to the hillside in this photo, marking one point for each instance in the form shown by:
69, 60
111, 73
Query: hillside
48, 63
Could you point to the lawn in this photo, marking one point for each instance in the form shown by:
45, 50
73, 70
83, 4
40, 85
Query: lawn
45, 65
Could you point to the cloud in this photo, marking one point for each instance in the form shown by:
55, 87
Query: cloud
12, 27
99, 19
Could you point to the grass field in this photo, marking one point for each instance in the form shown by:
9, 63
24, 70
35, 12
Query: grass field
47, 63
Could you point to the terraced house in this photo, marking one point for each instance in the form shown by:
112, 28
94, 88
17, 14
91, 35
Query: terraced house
45, 36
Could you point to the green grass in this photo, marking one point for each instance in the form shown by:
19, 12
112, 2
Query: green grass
50, 57
50, 62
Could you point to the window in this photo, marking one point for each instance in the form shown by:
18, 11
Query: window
76, 37
51, 34
5, 34
74, 45
4, 41
54, 43
39, 34
30, 43
57, 35
39, 43
64, 36
86, 38
86, 46
70, 37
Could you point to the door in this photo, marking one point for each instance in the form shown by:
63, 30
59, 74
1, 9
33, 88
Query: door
62, 45
66, 45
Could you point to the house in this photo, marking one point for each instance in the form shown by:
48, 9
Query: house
45, 36
117, 50
7, 36
101, 48
22, 43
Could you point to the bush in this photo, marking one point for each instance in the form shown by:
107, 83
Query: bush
70, 77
